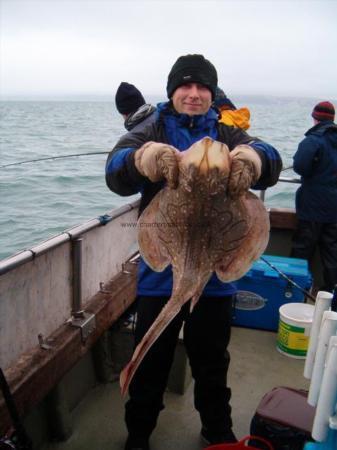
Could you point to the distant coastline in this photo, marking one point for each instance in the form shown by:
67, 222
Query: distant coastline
155, 98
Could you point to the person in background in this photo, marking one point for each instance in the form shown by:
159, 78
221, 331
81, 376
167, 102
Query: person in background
131, 104
229, 114
316, 199
144, 161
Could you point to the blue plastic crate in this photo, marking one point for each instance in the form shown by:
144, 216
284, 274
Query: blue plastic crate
263, 290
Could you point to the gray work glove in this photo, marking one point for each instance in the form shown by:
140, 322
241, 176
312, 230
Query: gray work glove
158, 161
245, 170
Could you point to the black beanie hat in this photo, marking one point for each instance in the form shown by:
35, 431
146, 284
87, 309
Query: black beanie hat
323, 111
128, 98
192, 69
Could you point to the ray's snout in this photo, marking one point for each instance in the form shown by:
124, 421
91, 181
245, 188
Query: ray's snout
205, 167
206, 155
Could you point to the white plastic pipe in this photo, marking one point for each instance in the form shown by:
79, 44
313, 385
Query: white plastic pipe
328, 329
328, 395
323, 303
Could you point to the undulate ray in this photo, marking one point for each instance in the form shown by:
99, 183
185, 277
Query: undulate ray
198, 229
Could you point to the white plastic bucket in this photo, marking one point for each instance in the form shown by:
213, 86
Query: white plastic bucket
294, 329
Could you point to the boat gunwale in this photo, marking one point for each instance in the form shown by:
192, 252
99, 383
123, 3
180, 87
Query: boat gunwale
27, 255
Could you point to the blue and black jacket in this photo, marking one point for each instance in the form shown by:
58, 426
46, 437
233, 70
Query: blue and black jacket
316, 162
181, 131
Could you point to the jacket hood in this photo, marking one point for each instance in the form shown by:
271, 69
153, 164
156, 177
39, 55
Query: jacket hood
321, 128
134, 119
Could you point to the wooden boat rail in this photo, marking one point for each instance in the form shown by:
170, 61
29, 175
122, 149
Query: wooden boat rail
36, 372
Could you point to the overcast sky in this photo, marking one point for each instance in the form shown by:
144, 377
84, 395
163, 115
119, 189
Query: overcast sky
271, 47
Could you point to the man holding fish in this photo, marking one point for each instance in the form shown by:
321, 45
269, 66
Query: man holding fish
148, 161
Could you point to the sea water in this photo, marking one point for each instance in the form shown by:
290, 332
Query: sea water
41, 199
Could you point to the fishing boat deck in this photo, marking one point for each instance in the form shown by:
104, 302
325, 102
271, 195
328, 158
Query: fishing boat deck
256, 367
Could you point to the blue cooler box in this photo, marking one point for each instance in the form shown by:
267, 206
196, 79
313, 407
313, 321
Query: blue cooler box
263, 290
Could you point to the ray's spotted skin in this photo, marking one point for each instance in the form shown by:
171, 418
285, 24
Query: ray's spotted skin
198, 229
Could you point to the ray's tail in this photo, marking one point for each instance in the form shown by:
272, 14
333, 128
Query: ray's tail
167, 314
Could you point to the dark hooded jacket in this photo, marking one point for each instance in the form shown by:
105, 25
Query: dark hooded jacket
181, 131
316, 162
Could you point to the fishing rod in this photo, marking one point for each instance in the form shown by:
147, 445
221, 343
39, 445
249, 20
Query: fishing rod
72, 156
52, 157
289, 279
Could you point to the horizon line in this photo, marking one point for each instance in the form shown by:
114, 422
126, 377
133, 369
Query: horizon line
111, 97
